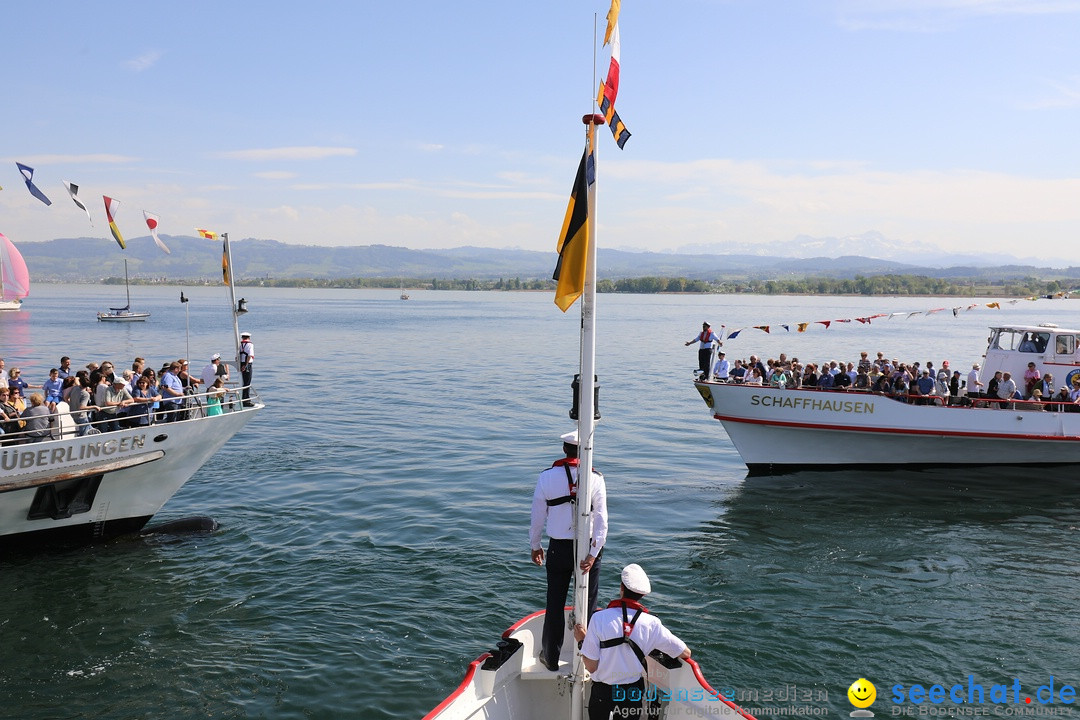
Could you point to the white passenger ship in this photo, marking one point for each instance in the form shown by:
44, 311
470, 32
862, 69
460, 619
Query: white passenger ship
68, 489
778, 430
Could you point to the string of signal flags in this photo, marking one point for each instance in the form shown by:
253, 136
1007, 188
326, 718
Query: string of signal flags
868, 319
112, 206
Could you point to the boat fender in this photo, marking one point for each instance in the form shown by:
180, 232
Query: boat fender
504, 650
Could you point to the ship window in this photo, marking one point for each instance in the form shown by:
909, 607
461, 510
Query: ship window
65, 498
1034, 342
1066, 344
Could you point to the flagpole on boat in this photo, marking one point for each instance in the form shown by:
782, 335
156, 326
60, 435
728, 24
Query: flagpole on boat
586, 425
227, 272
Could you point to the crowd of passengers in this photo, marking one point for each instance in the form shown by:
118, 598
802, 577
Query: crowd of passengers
101, 399
906, 382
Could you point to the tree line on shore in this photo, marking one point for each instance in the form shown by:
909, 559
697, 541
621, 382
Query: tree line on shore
859, 285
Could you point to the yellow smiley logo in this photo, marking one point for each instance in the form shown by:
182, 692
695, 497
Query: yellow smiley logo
862, 693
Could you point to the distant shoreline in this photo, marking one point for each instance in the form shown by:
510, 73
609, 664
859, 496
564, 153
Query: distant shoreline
952, 290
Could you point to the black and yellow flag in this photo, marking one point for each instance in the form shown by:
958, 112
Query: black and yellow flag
574, 242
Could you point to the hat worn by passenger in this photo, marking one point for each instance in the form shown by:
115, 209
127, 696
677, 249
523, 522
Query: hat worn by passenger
570, 438
245, 334
215, 356
634, 579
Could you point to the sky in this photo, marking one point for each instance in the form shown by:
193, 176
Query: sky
437, 125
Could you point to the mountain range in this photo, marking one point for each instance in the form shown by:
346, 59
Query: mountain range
193, 259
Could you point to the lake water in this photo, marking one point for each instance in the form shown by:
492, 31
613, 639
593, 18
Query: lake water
374, 517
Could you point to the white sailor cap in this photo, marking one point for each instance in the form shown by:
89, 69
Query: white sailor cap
570, 438
245, 334
635, 579
215, 356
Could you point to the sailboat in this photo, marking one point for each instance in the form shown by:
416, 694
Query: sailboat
509, 682
404, 295
123, 314
14, 277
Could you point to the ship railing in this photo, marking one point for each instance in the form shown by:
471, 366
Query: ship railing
192, 406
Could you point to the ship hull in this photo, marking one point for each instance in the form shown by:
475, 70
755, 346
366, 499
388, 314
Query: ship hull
784, 430
75, 490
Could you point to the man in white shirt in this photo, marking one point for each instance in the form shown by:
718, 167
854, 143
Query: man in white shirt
721, 370
974, 385
213, 370
615, 645
554, 502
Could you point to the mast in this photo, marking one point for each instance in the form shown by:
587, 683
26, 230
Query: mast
127, 288
586, 426
227, 271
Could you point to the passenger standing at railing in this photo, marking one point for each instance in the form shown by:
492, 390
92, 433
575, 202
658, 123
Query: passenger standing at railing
78, 401
16, 384
172, 393
37, 419
213, 370
117, 401
51, 389
247, 358
9, 418
141, 412
214, 395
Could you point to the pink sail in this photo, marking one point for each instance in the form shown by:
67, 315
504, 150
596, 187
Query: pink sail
14, 277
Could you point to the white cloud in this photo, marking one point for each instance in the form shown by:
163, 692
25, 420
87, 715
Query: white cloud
311, 152
144, 62
275, 175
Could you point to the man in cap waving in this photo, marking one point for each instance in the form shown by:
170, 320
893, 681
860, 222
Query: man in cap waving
554, 503
706, 338
615, 645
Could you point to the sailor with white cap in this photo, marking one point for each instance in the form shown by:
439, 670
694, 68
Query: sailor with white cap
245, 360
213, 370
705, 338
554, 502
615, 646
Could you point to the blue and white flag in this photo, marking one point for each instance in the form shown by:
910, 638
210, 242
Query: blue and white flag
28, 174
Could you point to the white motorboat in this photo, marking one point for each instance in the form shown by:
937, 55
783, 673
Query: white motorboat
508, 683
124, 314
779, 430
68, 489
14, 277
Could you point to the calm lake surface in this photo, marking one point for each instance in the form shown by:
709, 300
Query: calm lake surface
375, 516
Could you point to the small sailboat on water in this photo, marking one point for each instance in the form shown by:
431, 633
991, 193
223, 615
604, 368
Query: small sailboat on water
14, 277
404, 295
123, 314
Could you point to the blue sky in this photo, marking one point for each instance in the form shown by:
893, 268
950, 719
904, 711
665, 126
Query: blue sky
433, 124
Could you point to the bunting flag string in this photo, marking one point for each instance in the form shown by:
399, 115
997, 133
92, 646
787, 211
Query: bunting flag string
867, 319
609, 89
28, 176
73, 191
152, 223
111, 206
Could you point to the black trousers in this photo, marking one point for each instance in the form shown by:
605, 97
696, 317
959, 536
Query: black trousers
624, 702
560, 574
245, 376
703, 357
